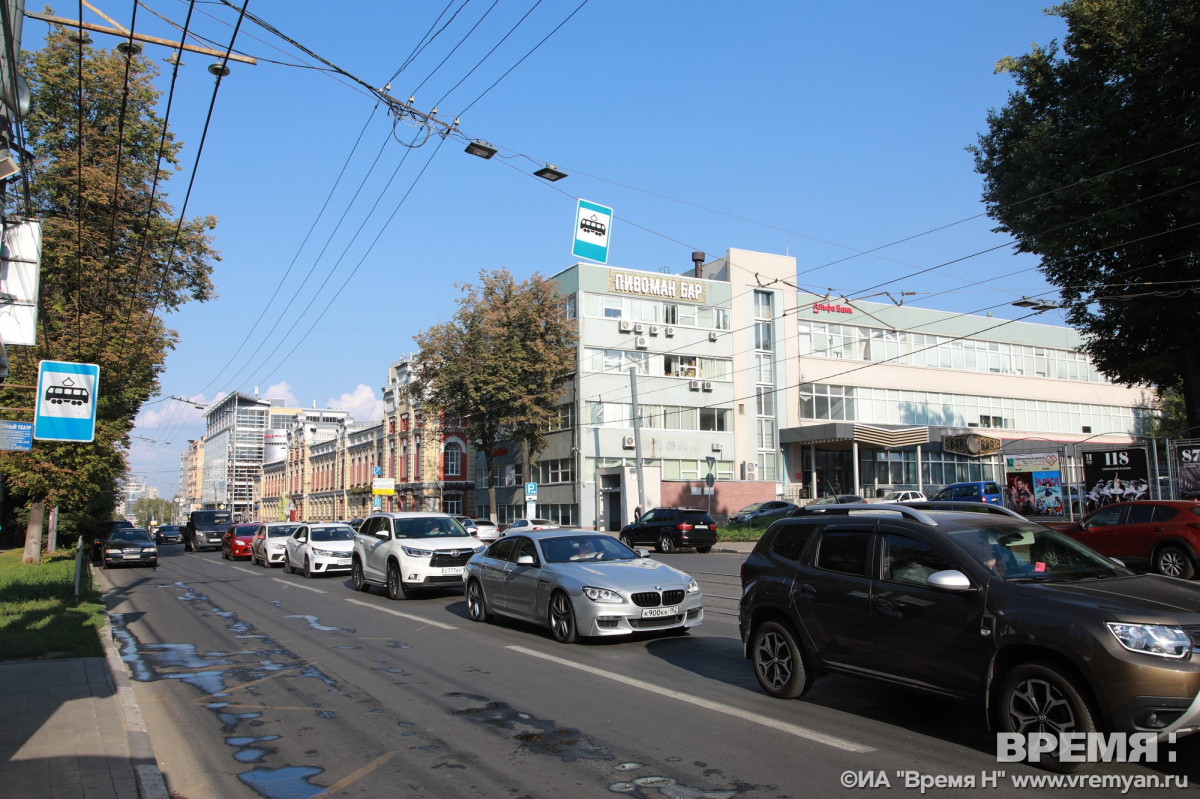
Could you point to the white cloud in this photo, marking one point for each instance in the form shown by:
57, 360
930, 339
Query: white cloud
282, 391
361, 403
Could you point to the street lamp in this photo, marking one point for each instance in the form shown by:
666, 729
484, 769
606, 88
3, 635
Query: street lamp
551, 173
480, 148
1037, 305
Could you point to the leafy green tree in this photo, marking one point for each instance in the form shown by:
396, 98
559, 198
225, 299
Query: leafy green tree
153, 509
114, 255
499, 364
1092, 166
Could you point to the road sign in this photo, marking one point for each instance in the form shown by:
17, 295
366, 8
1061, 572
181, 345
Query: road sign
530, 491
593, 228
376, 471
16, 435
66, 401
383, 486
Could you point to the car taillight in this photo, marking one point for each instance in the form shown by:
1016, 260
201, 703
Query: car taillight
683, 527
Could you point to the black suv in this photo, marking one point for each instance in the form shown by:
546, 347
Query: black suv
668, 529
971, 601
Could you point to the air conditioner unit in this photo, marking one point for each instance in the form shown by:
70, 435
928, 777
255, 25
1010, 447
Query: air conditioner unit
712, 335
625, 326
670, 331
627, 442
641, 343
708, 385
749, 470
639, 329
694, 385
654, 330
718, 447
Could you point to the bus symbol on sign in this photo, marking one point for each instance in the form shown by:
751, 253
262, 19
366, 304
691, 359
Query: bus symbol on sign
593, 225
66, 401
67, 393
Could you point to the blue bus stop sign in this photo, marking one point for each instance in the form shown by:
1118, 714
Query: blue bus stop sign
66, 401
593, 228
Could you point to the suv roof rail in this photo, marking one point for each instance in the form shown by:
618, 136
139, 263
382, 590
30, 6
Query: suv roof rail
845, 509
970, 507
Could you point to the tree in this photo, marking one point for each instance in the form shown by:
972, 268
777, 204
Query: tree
1092, 166
499, 364
113, 256
153, 509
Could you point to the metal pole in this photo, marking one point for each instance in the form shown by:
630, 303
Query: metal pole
637, 437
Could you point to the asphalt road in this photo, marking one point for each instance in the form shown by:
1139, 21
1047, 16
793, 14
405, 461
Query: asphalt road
258, 683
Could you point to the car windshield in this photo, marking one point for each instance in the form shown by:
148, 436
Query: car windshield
281, 530
893, 495
432, 527
749, 508
1032, 553
338, 532
129, 535
567, 549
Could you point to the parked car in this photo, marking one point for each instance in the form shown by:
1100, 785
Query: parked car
1042, 631
168, 534
526, 525
130, 546
269, 542
907, 495
579, 584
319, 549
205, 529
1161, 535
977, 491
236, 543
762, 513
838, 499
408, 551
486, 530
668, 529
101, 531
355, 523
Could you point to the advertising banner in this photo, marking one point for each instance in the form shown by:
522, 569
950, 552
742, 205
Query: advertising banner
1115, 475
1187, 459
1034, 483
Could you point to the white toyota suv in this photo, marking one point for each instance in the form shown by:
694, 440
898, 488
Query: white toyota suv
405, 552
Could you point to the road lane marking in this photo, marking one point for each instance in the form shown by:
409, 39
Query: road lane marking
244, 570
409, 616
294, 584
354, 777
729, 710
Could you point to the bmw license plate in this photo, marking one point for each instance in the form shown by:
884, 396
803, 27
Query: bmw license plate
701, 527
454, 570
658, 613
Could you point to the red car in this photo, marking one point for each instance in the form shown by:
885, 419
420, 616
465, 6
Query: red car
236, 543
1162, 535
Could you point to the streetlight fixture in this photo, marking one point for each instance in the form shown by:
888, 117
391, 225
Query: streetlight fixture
480, 148
1037, 305
551, 173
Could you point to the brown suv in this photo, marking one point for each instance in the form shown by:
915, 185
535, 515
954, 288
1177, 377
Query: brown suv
980, 605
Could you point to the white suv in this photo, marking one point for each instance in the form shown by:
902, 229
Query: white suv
408, 551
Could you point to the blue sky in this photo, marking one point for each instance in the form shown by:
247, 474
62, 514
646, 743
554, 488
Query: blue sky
820, 130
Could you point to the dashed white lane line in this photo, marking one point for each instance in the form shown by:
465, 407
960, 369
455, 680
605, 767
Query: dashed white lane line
409, 616
295, 584
729, 710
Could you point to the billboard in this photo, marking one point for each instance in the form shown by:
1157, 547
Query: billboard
19, 282
1115, 475
1187, 459
1034, 483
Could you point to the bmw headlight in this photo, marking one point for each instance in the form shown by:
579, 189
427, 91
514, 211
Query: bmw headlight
692, 587
417, 553
604, 595
1152, 639
325, 553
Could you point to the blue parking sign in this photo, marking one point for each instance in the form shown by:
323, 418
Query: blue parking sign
66, 401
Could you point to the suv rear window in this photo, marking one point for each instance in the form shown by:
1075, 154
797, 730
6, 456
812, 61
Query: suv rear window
696, 517
790, 540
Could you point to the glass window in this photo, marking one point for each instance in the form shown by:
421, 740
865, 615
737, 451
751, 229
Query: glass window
906, 560
789, 542
844, 551
452, 459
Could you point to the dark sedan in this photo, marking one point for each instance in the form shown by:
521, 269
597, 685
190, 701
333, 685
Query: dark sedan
130, 546
168, 534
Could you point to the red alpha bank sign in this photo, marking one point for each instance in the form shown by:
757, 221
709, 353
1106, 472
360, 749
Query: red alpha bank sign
831, 307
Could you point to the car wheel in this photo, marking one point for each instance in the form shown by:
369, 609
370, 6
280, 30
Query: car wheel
225, 554
562, 619
627, 540
187, 546
779, 662
703, 550
1039, 697
1174, 562
308, 572
477, 608
287, 565
665, 543
395, 586
357, 577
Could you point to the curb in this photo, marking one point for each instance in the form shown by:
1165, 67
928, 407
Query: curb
151, 783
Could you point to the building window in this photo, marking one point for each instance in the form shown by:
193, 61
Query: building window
679, 365
452, 459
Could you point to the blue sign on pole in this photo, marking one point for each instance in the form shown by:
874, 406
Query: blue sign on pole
593, 228
530, 491
16, 435
66, 401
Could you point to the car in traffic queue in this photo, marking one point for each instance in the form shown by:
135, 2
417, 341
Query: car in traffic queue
168, 534
972, 601
130, 546
269, 542
668, 529
102, 530
205, 529
410, 551
580, 584
486, 530
318, 548
1162, 535
236, 543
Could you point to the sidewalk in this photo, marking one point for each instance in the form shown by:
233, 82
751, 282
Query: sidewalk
72, 729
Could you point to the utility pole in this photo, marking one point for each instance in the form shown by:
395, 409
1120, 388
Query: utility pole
637, 438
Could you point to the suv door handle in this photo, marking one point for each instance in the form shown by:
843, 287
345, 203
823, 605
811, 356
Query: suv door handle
808, 590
